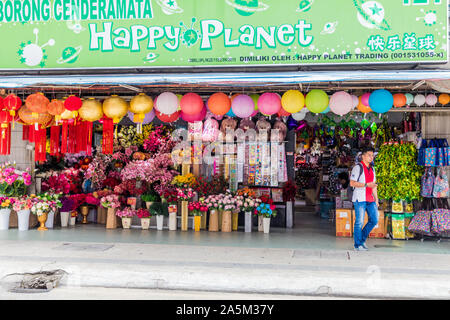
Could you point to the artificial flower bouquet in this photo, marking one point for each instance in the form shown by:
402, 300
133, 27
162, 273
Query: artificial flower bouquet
266, 208
250, 204
110, 201
53, 198
13, 182
56, 183
6, 203
289, 191
197, 208
67, 204
185, 194
170, 195
127, 212
143, 213
41, 207
184, 181
227, 202
22, 203
150, 197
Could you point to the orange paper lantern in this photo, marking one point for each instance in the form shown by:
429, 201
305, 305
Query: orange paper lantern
29, 118
56, 108
37, 103
361, 107
219, 103
399, 100
444, 99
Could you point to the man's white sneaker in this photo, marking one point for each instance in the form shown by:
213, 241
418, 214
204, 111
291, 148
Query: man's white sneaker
360, 248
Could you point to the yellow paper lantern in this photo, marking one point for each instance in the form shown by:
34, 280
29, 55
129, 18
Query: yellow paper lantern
293, 101
115, 108
91, 110
140, 105
67, 115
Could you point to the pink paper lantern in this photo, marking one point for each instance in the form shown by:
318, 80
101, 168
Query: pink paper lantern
191, 103
269, 103
194, 117
431, 100
341, 103
243, 106
365, 99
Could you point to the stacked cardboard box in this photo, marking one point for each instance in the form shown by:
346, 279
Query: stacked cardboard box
343, 223
378, 231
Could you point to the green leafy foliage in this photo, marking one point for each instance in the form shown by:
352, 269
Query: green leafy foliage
398, 175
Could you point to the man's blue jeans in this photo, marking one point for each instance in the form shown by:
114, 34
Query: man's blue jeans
360, 236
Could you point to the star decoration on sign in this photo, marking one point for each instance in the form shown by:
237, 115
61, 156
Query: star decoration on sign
171, 3
375, 9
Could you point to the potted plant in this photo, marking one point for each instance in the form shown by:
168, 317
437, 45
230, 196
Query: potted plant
212, 202
22, 206
248, 207
41, 208
111, 203
266, 210
145, 216
159, 210
126, 215
227, 204
67, 206
150, 198
53, 198
6, 205
171, 197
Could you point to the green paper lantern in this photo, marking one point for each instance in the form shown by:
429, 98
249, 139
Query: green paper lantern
316, 101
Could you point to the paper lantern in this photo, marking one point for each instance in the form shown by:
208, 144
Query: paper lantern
193, 117
67, 115
115, 108
73, 104
255, 98
444, 99
37, 119
326, 110
431, 99
381, 101
283, 113
91, 110
148, 117
419, 100
362, 107
167, 103
141, 105
299, 115
37, 103
316, 101
292, 123
243, 106
341, 103
365, 99
230, 112
219, 103
409, 98
191, 104
168, 118
269, 103
12, 103
355, 102
293, 101
399, 100
56, 108
210, 130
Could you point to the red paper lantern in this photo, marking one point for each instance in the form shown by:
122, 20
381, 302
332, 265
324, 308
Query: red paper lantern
283, 113
73, 103
167, 117
12, 103
37, 103
191, 103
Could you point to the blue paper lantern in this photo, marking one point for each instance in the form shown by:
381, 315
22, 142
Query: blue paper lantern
230, 113
381, 101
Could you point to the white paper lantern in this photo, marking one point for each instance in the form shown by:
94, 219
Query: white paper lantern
419, 100
167, 103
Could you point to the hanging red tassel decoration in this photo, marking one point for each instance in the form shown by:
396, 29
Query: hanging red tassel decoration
65, 130
54, 140
108, 136
72, 136
25, 132
5, 132
89, 138
40, 144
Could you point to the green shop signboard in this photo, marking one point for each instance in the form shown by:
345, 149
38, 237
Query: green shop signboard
70, 34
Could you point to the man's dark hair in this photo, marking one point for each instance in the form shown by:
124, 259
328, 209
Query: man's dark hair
367, 149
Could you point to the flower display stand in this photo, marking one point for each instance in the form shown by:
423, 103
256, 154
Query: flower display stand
220, 219
101, 215
289, 214
50, 220
126, 223
42, 219
260, 224
23, 218
226, 221
213, 220
159, 222
4, 219
235, 220
248, 221
145, 223
203, 223
266, 225
172, 217
197, 223
64, 219
184, 215
111, 220
84, 210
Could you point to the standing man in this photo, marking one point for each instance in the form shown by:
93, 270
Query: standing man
365, 198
